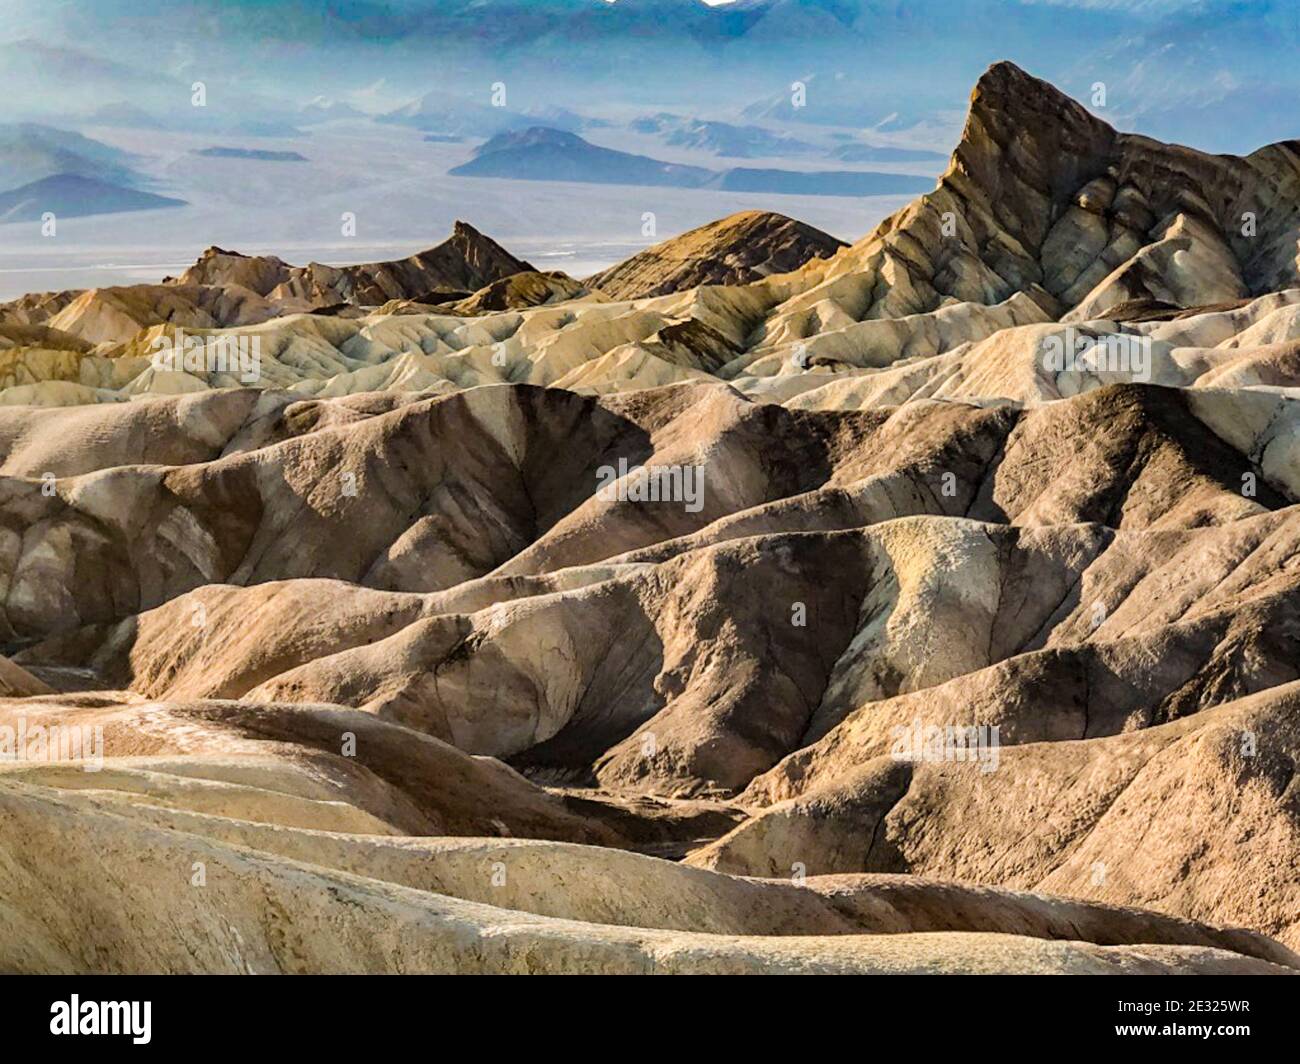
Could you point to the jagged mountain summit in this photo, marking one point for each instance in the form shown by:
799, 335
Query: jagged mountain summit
759, 604
227, 289
1042, 198
463, 263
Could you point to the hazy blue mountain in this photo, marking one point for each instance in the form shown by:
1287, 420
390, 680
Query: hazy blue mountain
322, 109
541, 154
837, 100
439, 112
722, 138
74, 196
822, 183
29, 152
452, 114
187, 120
253, 154
872, 153
124, 116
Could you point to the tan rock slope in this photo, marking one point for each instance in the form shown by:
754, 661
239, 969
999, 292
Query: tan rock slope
1047, 220
225, 289
235, 899
465, 262
699, 617
738, 249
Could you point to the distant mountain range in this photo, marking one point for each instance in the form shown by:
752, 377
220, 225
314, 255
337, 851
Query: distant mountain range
46, 169
722, 138
1220, 69
29, 152
322, 109
254, 154
126, 116
452, 115
871, 153
821, 182
541, 154
440, 113
74, 196
751, 141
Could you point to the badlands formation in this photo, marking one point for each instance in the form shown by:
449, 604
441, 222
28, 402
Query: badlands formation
395, 660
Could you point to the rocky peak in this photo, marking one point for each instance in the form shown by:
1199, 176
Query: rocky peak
738, 249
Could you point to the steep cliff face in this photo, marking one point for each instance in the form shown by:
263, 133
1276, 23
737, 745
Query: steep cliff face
1044, 198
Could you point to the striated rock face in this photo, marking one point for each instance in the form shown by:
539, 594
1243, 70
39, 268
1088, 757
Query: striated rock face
1045, 199
760, 605
103, 315
350, 902
449, 568
17, 682
528, 288
258, 273
737, 249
